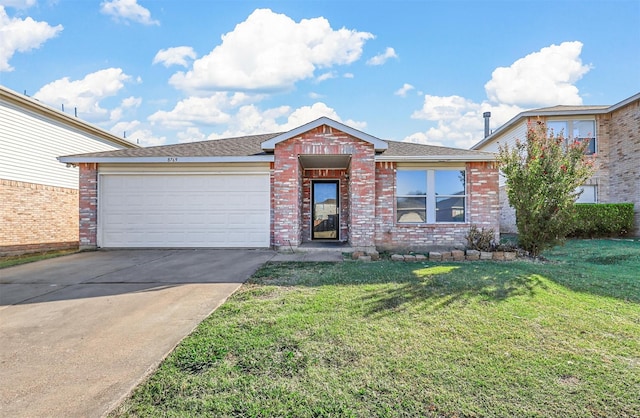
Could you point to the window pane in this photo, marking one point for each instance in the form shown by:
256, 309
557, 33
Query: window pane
411, 182
411, 209
450, 182
558, 127
591, 147
450, 209
584, 129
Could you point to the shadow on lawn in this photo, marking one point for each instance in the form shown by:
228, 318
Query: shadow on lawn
394, 285
438, 287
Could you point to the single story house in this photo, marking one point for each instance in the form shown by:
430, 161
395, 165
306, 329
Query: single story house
38, 195
613, 133
323, 181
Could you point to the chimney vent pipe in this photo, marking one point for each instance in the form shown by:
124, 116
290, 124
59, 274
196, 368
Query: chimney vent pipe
486, 116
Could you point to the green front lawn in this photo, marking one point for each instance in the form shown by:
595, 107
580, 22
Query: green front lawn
387, 339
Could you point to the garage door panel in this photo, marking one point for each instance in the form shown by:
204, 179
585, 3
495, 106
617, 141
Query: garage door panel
184, 210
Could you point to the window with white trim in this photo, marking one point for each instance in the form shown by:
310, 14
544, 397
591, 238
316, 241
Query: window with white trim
430, 196
577, 131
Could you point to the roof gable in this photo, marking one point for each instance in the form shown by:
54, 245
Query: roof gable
378, 144
560, 110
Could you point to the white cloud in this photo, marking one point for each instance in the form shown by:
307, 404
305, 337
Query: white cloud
270, 51
543, 78
18, 4
132, 102
192, 111
315, 96
348, 75
191, 135
250, 120
326, 76
85, 94
438, 108
402, 91
136, 133
175, 56
146, 138
127, 10
382, 57
21, 35
459, 122
124, 128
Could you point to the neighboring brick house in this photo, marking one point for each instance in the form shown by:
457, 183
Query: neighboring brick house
322, 181
613, 133
38, 195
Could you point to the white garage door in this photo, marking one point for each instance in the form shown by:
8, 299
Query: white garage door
184, 210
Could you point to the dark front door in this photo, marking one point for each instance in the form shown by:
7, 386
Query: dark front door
325, 210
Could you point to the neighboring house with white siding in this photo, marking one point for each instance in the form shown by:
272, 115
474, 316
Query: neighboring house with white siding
38, 194
613, 133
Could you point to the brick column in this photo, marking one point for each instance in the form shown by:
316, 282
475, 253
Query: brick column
362, 195
482, 189
287, 189
88, 201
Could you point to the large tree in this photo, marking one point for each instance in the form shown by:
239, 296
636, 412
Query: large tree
542, 177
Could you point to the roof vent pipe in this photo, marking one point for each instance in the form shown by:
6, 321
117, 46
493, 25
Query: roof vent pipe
486, 116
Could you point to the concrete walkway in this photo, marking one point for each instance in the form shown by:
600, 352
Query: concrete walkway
315, 256
77, 333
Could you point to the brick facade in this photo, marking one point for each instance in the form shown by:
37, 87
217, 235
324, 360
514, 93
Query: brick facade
624, 153
482, 211
88, 216
290, 187
36, 217
367, 197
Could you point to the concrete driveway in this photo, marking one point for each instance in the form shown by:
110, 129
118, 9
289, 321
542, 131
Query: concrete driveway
77, 333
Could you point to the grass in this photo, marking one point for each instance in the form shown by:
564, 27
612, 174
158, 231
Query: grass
384, 339
8, 261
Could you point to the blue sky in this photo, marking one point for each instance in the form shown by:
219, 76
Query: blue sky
422, 71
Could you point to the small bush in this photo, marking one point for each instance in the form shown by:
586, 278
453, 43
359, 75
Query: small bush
602, 219
481, 239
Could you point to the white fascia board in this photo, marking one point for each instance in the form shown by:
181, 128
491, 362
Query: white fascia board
437, 158
167, 159
379, 144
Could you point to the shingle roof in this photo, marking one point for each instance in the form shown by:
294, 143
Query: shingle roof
409, 149
567, 108
250, 146
230, 147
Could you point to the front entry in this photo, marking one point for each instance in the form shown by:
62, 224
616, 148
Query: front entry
325, 209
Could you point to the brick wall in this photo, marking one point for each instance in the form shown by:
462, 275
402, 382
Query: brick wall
290, 213
482, 210
88, 215
624, 149
36, 217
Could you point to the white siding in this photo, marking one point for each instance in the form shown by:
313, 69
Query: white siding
30, 144
509, 137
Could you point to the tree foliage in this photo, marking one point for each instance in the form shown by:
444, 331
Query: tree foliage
542, 175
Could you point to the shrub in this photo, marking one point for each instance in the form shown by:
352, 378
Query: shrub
602, 219
480, 239
542, 174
